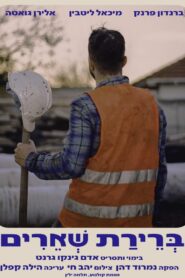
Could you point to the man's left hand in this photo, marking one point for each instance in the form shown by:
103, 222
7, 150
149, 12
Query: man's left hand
22, 151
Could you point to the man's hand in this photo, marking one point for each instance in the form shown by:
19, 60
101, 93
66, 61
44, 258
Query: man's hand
22, 151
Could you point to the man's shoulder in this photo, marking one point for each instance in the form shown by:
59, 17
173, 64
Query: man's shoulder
84, 102
84, 106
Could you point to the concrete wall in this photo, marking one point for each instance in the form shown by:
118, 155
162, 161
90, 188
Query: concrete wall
46, 198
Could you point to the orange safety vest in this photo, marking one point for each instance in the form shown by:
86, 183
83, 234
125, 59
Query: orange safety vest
117, 187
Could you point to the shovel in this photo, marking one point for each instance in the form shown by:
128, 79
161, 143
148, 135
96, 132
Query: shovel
33, 96
23, 201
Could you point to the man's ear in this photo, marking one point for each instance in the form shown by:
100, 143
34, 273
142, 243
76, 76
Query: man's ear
91, 64
124, 61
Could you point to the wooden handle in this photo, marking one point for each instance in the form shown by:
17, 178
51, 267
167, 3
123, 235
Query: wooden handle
23, 203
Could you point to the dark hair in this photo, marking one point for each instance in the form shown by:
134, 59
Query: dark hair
107, 48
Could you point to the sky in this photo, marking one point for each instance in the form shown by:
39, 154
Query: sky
151, 42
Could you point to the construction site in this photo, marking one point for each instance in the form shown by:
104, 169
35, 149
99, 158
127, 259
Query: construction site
166, 83
49, 137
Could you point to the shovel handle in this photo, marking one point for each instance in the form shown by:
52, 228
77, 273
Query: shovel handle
23, 203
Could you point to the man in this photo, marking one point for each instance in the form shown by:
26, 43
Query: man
114, 151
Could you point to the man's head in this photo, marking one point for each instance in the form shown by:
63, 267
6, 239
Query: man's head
106, 52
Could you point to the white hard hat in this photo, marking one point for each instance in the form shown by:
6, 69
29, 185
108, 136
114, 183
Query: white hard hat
34, 94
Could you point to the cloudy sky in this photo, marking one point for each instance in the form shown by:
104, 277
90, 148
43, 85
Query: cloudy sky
151, 42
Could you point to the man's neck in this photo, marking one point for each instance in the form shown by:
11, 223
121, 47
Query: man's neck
101, 77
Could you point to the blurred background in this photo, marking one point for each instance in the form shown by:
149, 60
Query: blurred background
56, 47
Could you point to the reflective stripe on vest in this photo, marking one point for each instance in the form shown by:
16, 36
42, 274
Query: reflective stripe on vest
124, 177
108, 212
118, 184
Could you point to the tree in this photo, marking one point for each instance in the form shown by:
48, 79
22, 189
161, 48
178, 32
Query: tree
73, 77
28, 42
